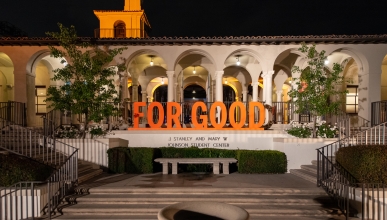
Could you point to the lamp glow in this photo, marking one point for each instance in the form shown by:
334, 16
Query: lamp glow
194, 71
162, 80
326, 62
151, 62
238, 62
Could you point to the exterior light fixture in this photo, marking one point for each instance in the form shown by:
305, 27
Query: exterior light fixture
64, 63
162, 80
290, 81
225, 81
194, 91
238, 62
151, 62
194, 71
326, 62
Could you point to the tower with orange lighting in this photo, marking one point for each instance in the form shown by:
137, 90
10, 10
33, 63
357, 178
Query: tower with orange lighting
129, 23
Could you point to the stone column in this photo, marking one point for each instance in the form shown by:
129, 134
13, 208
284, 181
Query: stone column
255, 91
171, 83
125, 94
244, 96
134, 90
219, 86
279, 96
31, 112
144, 109
279, 107
268, 87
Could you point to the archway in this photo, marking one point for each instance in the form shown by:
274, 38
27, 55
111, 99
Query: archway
119, 29
6, 78
384, 80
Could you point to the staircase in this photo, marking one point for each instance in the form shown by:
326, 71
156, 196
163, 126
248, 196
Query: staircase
307, 172
144, 203
27, 142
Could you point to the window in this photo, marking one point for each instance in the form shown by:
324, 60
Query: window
40, 96
351, 104
120, 30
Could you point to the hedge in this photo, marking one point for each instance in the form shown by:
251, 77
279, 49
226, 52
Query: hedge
141, 160
261, 161
367, 163
15, 168
131, 160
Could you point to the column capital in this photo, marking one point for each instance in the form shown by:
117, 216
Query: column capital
143, 92
220, 72
278, 92
256, 84
267, 74
170, 73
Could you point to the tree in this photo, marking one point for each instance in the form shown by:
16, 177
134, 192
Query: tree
88, 79
316, 89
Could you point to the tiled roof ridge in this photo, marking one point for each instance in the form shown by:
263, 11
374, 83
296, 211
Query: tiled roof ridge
262, 40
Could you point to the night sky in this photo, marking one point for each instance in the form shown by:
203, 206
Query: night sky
196, 18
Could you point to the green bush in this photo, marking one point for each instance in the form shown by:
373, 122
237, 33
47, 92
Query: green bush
15, 168
140, 160
261, 161
131, 160
367, 163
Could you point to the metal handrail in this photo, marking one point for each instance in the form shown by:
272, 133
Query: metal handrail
26, 142
335, 180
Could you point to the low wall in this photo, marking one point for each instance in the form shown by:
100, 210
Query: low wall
298, 151
91, 150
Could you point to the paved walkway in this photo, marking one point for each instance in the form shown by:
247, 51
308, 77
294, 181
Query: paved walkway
200, 180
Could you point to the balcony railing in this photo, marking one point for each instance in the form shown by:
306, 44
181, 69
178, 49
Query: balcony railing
119, 33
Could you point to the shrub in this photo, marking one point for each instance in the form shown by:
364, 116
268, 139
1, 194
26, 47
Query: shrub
367, 163
131, 160
140, 160
261, 161
15, 168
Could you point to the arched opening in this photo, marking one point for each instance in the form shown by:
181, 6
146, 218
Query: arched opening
384, 80
6, 78
194, 93
119, 29
161, 94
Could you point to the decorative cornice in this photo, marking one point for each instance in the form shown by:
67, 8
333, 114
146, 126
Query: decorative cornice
171, 41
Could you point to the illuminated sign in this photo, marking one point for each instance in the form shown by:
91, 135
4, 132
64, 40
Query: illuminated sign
174, 110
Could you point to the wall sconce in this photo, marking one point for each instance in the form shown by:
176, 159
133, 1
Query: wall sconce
194, 71
151, 62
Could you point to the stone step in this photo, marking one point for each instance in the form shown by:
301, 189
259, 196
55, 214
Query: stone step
173, 198
310, 168
147, 209
304, 174
87, 174
154, 217
212, 190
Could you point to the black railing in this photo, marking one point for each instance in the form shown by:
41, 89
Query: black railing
120, 33
378, 112
28, 143
365, 200
14, 112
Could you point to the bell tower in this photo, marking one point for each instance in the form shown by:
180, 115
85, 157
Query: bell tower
129, 23
132, 5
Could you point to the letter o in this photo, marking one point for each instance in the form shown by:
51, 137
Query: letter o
223, 117
150, 114
231, 115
